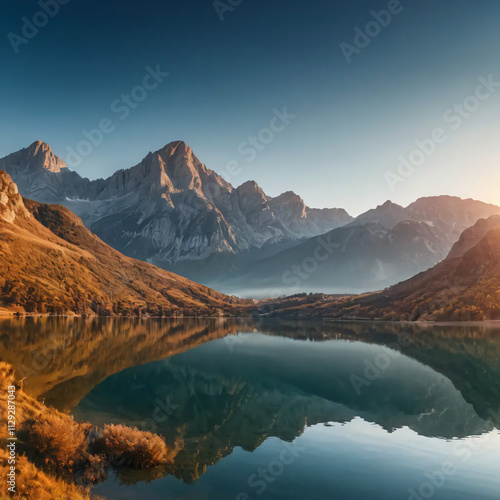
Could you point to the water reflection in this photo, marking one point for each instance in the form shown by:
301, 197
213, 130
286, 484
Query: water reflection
225, 384
61, 359
274, 386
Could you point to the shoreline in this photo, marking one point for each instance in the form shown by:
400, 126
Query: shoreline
5, 313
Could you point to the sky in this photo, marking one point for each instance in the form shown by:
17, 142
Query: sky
293, 94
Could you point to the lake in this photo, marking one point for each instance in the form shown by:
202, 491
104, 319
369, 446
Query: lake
279, 410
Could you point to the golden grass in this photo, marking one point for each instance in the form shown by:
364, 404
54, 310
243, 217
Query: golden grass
59, 444
33, 483
131, 446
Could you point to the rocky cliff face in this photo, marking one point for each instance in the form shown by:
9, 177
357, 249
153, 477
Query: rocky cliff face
170, 207
11, 202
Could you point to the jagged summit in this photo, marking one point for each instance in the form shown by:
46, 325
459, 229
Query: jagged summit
38, 155
174, 149
250, 187
289, 196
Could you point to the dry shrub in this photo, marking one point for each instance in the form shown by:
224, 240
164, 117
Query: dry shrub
60, 440
129, 446
31, 482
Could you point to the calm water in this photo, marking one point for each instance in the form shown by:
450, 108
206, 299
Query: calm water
280, 411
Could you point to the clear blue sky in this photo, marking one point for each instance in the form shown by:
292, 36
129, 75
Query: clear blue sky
352, 121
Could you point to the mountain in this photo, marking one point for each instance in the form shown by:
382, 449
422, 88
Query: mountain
463, 287
379, 248
388, 215
50, 262
41, 175
170, 207
472, 236
172, 211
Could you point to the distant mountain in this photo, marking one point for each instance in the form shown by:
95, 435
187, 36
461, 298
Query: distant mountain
50, 262
39, 174
472, 236
170, 208
379, 248
387, 215
464, 287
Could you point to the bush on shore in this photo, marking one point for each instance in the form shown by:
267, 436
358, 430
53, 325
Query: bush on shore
60, 440
131, 446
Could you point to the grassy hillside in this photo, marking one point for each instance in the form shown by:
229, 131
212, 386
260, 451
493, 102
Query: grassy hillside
464, 288
50, 263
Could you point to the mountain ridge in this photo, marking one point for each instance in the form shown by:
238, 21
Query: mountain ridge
170, 207
174, 212
379, 248
51, 263
464, 287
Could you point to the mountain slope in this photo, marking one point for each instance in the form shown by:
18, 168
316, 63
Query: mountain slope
463, 288
169, 207
50, 262
379, 248
472, 236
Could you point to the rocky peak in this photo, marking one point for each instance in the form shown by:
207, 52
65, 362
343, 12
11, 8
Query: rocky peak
181, 165
250, 187
11, 202
388, 214
40, 155
289, 196
389, 205
290, 203
251, 197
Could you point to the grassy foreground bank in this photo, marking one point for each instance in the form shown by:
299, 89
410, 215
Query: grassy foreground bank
57, 458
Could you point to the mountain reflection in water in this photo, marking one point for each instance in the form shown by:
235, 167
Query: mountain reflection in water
226, 384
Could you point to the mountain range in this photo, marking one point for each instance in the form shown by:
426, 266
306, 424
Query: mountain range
379, 248
51, 263
172, 211
463, 287
169, 207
